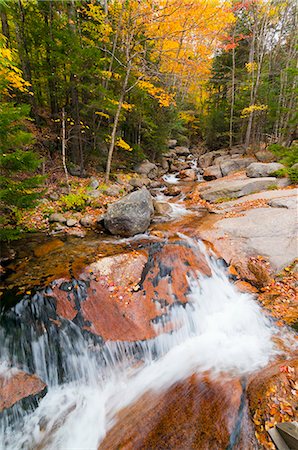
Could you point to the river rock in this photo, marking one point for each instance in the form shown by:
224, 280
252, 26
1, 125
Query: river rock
130, 215
162, 208
182, 151
147, 168
265, 156
236, 150
87, 221
172, 143
206, 160
18, 387
235, 164
172, 191
57, 217
212, 173
229, 189
71, 223
139, 182
258, 169
188, 174
165, 164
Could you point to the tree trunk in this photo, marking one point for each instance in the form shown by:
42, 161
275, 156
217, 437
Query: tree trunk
115, 124
64, 148
233, 93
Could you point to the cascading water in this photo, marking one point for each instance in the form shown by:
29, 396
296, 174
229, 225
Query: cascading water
89, 382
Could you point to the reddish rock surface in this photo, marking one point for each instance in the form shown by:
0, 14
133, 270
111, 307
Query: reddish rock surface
198, 413
18, 385
128, 292
272, 395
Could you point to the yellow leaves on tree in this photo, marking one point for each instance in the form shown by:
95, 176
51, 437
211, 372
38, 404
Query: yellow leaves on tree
253, 108
10, 76
164, 99
124, 145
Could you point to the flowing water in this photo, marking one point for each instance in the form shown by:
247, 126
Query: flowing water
219, 329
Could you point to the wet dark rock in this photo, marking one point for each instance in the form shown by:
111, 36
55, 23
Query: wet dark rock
130, 215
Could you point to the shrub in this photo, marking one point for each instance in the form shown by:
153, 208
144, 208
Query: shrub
75, 201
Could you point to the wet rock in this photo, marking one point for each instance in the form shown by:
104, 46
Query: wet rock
162, 208
20, 387
199, 413
182, 151
235, 164
212, 173
94, 183
57, 217
130, 215
188, 174
87, 221
172, 143
172, 191
147, 168
71, 223
258, 169
265, 156
229, 189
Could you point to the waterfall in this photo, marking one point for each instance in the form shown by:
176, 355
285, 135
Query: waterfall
89, 381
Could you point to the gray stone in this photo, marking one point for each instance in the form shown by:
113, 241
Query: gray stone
113, 190
172, 143
71, 223
94, 183
147, 168
237, 150
258, 169
57, 217
182, 151
86, 221
287, 202
165, 164
53, 196
265, 156
206, 160
235, 164
139, 182
295, 166
265, 231
188, 174
130, 215
162, 208
212, 173
229, 189
94, 194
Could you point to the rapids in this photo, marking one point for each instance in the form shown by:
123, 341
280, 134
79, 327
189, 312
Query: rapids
219, 330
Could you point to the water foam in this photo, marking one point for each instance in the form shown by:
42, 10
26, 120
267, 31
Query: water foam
220, 329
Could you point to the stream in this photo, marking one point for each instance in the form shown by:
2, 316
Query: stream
153, 389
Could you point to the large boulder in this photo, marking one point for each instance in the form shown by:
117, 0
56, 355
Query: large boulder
139, 182
206, 160
234, 164
258, 169
147, 168
130, 215
230, 189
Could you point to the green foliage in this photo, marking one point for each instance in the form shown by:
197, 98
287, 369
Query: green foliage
73, 201
10, 234
286, 155
290, 172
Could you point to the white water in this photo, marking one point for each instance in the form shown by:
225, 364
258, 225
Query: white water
171, 178
219, 330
